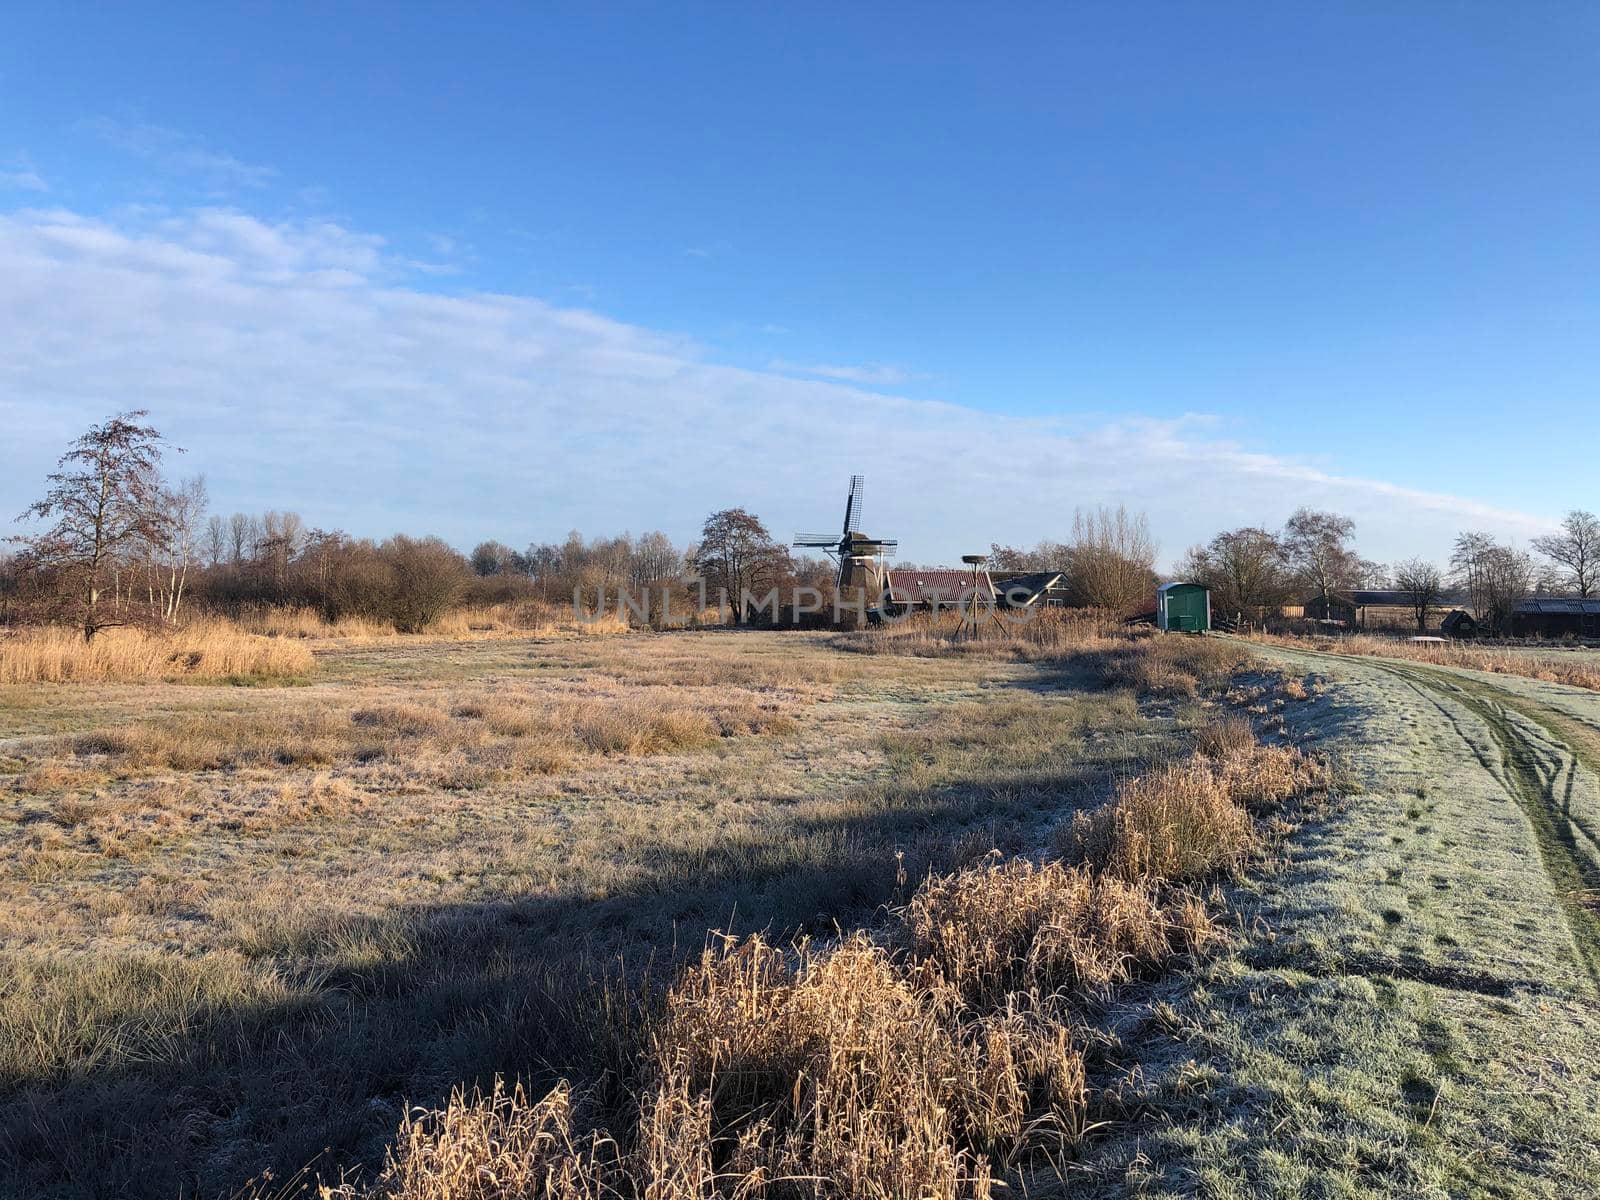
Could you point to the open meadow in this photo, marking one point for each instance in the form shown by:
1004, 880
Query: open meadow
1081, 912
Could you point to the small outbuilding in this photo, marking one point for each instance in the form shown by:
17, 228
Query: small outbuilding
1183, 608
1555, 617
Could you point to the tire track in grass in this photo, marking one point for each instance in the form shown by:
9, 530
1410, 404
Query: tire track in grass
1542, 780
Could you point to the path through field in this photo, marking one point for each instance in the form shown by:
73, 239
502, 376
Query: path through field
1417, 1011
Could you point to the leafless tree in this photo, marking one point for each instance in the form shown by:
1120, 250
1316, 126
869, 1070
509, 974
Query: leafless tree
216, 540
428, 579
1423, 585
1467, 564
491, 558
1317, 549
738, 555
1244, 568
655, 560
105, 501
1507, 577
170, 564
244, 532
1576, 550
1111, 559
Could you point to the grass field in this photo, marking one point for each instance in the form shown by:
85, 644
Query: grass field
247, 929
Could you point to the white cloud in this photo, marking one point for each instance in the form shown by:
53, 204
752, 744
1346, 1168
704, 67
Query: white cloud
303, 370
867, 374
181, 153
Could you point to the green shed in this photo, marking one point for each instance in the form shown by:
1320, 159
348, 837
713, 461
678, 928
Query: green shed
1183, 608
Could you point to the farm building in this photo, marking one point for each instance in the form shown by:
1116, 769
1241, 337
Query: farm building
1030, 589
1373, 608
935, 588
1183, 607
1555, 617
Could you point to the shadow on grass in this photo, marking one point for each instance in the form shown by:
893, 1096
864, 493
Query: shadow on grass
386, 1012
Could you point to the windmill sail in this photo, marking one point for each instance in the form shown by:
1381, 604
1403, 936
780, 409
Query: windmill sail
852, 504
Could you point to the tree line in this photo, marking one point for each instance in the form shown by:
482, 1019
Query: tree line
1254, 571
120, 544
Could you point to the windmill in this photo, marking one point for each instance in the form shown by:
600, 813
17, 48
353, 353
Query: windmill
860, 558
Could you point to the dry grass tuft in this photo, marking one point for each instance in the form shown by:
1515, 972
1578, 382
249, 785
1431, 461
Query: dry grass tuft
1167, 665
205, 650
1178, 823
1188, 820
1014, 926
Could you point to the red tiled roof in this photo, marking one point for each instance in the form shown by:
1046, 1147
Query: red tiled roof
924, 587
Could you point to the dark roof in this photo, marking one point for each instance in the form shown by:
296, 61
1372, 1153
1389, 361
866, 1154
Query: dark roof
1024, 588
923, 587
1557, 604
1384, 597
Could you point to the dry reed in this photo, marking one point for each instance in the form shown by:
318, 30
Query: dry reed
204, 650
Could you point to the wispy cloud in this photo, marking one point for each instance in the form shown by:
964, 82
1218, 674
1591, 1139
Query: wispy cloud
181, 153
865, 374
18, 174
299, 369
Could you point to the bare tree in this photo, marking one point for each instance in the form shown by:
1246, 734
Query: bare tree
1244, 568
216, 540
428, 579
185, 505
1576, 549
1112, 559
1317, 549
655, 559
1467, 560
105, 501
738, 555
491, 558
1423, 585
243, 534
1506, 577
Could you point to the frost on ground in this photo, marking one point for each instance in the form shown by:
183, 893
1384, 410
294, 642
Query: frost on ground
1412, 1011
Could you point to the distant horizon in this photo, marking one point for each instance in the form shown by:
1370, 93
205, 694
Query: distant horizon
505, 276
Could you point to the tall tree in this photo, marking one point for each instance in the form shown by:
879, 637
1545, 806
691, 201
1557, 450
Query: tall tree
1318, 549
1423, 585
1576, 549
1467, 563
738, 555
106, 502
1244, 568
1112, 559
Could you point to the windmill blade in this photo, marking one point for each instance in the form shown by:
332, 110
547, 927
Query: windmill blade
815, 539
852, 504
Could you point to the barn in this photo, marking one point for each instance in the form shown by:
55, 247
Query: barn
1555, 618
1183, 607
1374, 608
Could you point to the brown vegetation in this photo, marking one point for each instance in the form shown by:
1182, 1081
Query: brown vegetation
202, 651
940, 1056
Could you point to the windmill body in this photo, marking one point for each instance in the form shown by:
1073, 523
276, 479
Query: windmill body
862, 579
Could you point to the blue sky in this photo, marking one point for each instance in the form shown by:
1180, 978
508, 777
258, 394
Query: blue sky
500, 271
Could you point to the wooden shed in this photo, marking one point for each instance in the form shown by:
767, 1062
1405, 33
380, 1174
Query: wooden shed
1183, 608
